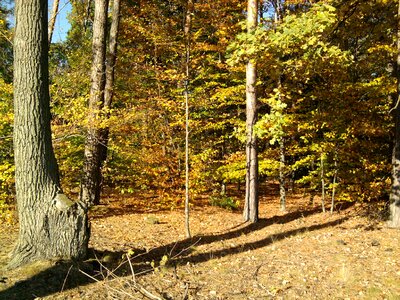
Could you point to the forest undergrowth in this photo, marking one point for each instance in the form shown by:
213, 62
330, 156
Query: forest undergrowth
139, 251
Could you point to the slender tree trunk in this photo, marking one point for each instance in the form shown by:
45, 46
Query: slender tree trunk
87, 16
188, 25
282, 175
394, 220
322, 183
313, 187
251, 201
52, 22
278, 10
282, 160
334, 183
45, 230
91, 181
110, 74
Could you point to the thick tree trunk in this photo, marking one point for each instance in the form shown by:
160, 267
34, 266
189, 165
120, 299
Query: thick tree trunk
45, 230
251, 201
53, 17
110, 72
394, 220
91, 181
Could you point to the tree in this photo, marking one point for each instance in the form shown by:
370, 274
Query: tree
6, 51
50, 224
187, 28
6, 113
110, 75
251, 200
91, 181
395, 190
53, 17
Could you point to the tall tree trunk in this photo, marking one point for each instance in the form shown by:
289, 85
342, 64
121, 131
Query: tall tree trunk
86, 21
334, 182
251, 201
322, 183
187, 28
394, 220
53, 17
282, 175
91, 181
46, 230
110, 74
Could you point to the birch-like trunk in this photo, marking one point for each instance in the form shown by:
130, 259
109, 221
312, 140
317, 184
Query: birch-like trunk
45, 230
282, 174
251, 201
53, 17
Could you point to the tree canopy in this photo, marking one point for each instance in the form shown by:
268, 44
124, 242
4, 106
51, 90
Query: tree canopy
326, 86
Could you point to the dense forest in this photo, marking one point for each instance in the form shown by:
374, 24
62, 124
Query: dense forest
182, 100
326, 88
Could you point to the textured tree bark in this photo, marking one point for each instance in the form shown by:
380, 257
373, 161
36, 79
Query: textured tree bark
110, 74
45, 231
91, 181
251, 201
52, 22
394, 220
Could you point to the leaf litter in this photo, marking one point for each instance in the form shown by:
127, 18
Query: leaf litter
300, 254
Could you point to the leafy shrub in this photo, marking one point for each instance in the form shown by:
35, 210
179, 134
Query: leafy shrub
224, 202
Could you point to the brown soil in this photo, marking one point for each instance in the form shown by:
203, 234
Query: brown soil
300, 254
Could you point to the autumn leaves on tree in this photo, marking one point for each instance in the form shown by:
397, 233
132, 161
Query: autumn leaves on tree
298, 92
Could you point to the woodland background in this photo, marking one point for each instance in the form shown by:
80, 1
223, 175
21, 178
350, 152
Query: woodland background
326, 88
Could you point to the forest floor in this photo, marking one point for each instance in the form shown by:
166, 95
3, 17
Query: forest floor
300, 254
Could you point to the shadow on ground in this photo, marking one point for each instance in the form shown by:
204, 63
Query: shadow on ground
53, 279
64, 276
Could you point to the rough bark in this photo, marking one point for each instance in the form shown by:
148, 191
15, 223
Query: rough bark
53, 17
251, 201
187, 28
110, 74
394, 220
45, 230
91, 181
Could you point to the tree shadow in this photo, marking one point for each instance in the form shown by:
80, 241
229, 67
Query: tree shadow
66, 276
203, 257
234, 232
180, 253
54, 279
